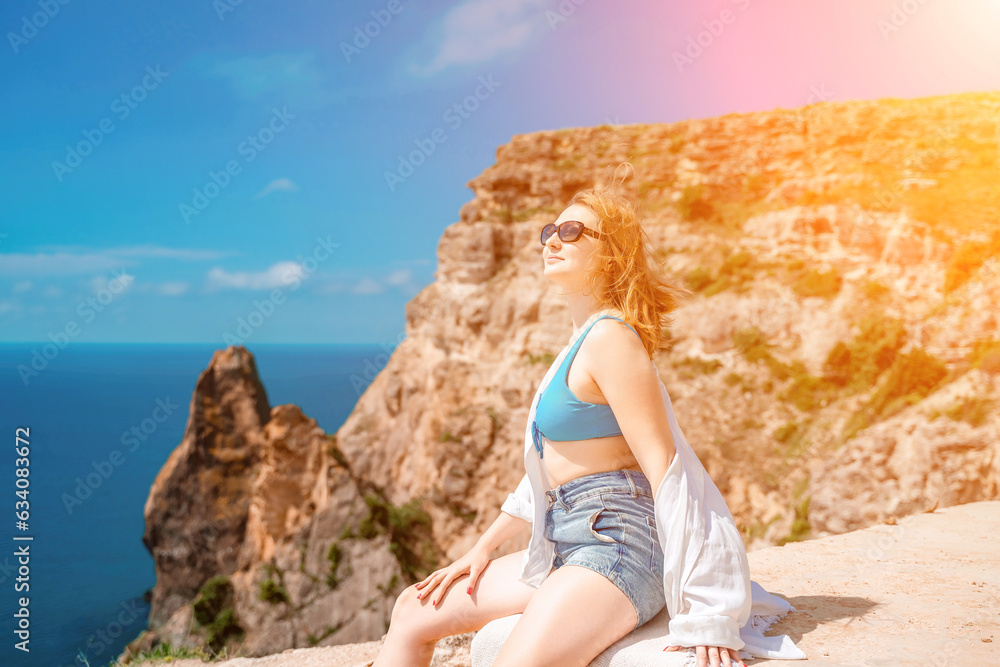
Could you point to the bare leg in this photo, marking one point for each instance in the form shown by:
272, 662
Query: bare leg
575, 614
416, 625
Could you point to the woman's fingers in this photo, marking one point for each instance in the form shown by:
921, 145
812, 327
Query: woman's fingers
431, 583
473, 577
713, 656
708, 656
421, 584
444, 589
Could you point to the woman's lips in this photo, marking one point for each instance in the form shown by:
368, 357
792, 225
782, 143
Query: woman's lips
552, 258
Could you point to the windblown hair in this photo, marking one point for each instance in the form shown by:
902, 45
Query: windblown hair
635, 282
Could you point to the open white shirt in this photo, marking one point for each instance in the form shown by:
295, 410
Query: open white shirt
706, 576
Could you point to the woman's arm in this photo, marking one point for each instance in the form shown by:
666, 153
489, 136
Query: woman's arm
503, 528
474, 561
519, 503
706, 576
628, 379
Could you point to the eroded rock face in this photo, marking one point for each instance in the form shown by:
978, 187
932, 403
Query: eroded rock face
910, 463
255, 493
196, 511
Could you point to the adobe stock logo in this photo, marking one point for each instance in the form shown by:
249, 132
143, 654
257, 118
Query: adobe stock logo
372, 29
455, 116
297, 273
704, 39
122, 106
88, 310
38, 20
900, 16
248, 149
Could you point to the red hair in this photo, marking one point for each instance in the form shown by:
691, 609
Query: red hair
635, 283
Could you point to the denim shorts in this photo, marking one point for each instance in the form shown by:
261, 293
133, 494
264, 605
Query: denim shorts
605, 522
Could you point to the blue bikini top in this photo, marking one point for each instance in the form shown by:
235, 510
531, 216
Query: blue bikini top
560, 415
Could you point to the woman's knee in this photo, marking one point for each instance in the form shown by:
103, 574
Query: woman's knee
406, 604
418, 620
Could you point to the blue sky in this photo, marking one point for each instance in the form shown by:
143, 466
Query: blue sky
171, 169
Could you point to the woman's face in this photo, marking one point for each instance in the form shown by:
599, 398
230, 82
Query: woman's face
567, 263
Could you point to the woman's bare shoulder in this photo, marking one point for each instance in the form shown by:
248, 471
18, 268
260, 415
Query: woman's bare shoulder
608, 332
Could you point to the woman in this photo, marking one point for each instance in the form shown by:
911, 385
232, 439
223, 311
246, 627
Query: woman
601, 438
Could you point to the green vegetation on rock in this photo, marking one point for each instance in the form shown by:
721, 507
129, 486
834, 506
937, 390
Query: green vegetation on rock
801, 528
857, 364
409, 530
271, 591
545, 358
974, 410
213, 610
985, 355
335, 555
911, 378
818, 283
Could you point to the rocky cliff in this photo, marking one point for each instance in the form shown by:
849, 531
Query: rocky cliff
259, 531
835, 367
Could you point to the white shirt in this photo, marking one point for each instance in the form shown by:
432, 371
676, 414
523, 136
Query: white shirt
706, 576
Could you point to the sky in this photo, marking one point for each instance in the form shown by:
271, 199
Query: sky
236, 171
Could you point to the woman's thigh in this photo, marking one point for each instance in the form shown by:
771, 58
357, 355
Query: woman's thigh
499, 592
573, 617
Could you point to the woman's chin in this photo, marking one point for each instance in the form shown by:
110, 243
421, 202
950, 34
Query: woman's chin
551, 272
558, 280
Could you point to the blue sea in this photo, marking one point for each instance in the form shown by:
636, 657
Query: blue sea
87, 568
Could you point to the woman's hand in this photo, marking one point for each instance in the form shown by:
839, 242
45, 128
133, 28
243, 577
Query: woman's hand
473, 562
714, 656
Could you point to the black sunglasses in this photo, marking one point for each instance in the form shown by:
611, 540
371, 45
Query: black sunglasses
569, 231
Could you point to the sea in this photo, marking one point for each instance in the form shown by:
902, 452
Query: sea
73, 568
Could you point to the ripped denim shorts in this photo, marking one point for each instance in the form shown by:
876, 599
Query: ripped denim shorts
605, 522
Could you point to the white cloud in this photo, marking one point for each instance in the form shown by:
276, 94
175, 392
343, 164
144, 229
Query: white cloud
367, 286
333, 287
286, 78
63, 260
253, 76
479, 30
20, 286
277, 185
55, 264
281, 274
118, 284
8, 306
52, 292
172, 288
398, 277
187, 254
